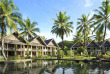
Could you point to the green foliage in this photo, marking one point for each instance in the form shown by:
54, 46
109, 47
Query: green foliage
43, 37
16, 58
59, 53
84, 27
70, 53
108, 52
53, 52
27, 53
94, 53
78, 57
66, 43
39, 54
81, 50
61, 25
99, 54
28, 29
106, 56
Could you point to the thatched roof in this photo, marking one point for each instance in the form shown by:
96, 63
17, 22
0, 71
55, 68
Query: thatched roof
37, 41
14, 38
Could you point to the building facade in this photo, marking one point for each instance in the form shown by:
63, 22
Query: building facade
16, 44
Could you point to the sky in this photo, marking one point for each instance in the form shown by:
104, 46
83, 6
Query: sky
42, 11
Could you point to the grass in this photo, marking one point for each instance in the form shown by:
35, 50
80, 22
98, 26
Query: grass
49, 57
1, 60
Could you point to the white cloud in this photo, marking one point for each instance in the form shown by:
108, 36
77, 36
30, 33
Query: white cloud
88, 3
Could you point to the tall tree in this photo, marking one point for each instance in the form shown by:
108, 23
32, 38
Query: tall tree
62, 26
9, 17
28, 29
84, 26
102, 19
99, 36
78, 38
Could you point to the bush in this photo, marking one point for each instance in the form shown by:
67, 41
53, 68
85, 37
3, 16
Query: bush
106, 56
60, 53
70, 53
81, 50
108, 52
94, 54
99, 54
15, 58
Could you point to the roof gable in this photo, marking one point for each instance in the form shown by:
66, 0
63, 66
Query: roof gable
51, 42
14, 38
76, 45
37, 41
106, 44
92, 44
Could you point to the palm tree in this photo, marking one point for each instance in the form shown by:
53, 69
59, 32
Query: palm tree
99, 36
78, 38
62, 26
102, 19
28, 29
8, 18
84, 26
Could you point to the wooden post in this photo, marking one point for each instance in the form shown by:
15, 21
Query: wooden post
24, 50
51, 51
7, 49
36, 51
21, 50
31, 50
42, 51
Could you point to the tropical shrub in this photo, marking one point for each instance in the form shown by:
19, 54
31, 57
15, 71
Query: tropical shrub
94, 53
59, 53
107, 52
81, 50
15, 58
106, 56
27, 53
39, 54
70, 53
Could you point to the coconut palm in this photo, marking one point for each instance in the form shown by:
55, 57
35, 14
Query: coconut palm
62, 26
9, 16
99, 36
84, 26
101, 19
28, 29
78, 38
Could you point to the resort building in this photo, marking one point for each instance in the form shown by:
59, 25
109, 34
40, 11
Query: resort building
75, 46
16, 44
93, 46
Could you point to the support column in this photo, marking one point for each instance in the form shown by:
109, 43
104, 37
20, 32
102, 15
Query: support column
24, 50
31, 51
51, 51
7, 49
36, 51
42, 51
21, 50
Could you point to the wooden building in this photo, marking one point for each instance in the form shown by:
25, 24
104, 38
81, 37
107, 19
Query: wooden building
16, 44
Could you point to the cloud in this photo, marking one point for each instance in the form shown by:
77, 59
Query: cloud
88, 3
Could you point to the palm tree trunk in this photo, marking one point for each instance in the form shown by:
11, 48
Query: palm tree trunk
3, 42
63, 47
84, 37
104, 39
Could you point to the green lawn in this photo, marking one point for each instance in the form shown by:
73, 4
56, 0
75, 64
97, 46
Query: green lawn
49, 57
